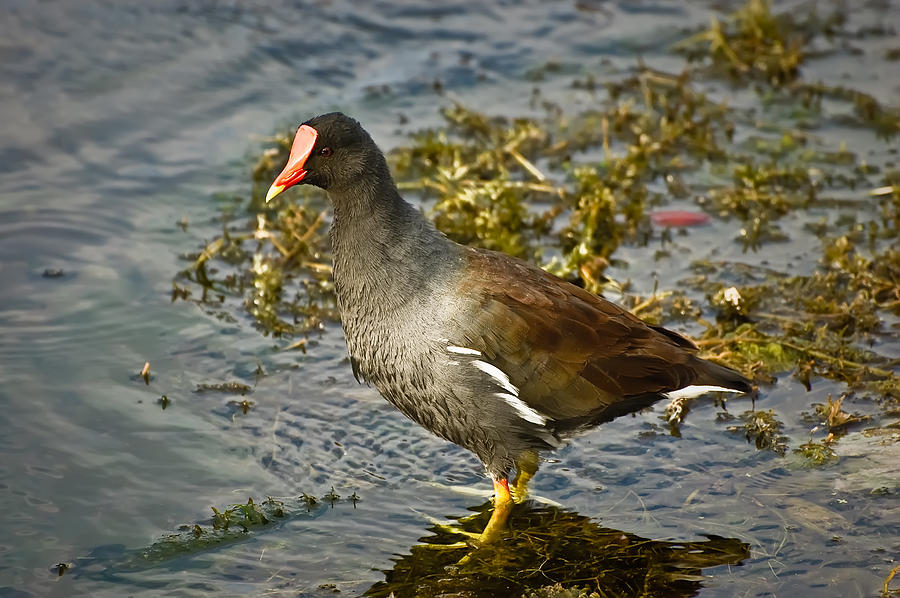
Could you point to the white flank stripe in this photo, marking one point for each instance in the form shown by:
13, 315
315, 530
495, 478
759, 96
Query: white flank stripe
511, 396
689, 392
462, 350
498, 375
527, 413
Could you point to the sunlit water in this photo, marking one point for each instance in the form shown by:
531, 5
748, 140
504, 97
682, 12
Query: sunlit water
118, 121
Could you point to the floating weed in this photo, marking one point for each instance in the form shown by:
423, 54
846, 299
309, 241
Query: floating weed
834, 416
479, 171
816, 454
244, 405
243, 515
332, 497
226, 387
761, 195
755, 43
820, 324
309, 500
230, 524
867, 111
61, 568
764, 429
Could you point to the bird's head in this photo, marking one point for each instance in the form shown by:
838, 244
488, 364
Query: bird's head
329, 151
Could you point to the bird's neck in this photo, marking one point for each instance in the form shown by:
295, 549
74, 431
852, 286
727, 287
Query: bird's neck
385, 251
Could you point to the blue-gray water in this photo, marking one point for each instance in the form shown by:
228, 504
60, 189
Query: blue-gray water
121, 119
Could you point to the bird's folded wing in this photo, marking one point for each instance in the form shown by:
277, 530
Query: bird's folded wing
569, 352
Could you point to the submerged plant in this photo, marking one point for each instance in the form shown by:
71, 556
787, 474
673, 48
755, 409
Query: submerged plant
763, 429
817, 453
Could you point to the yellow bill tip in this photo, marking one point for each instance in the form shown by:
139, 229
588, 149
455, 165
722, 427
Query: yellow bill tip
273, 191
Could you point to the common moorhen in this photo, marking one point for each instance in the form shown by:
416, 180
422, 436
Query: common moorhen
480, 348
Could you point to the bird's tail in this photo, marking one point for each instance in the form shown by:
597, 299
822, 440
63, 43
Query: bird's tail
713, 374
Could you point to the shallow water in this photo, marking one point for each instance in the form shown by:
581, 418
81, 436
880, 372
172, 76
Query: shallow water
121, 120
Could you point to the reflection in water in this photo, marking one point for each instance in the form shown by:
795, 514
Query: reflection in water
546, 546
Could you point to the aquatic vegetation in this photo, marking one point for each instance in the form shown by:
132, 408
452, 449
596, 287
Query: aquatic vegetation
332, 497
755, 45
227, 525
226, 387
817, 325
275, 265
61, 568
244, 405
570, 188
484, 183
867, 111
754, 42
245, 515
763, 429
817, 453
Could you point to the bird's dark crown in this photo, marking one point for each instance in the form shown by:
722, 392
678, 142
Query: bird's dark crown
344, 154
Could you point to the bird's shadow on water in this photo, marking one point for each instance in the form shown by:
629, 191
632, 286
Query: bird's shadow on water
548, 550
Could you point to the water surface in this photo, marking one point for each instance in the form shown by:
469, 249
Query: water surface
122, 119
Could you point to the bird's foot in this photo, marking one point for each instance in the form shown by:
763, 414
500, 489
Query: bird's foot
449, 528
503, 505
451, 546
443, 525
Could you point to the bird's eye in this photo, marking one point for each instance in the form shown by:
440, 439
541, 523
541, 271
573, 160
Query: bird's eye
325, 151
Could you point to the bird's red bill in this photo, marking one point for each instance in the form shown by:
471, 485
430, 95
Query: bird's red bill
293, 172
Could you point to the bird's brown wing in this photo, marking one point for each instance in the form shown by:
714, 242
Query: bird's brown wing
569, 352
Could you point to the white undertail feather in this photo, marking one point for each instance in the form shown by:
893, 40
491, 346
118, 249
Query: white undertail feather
689, 392
511, 396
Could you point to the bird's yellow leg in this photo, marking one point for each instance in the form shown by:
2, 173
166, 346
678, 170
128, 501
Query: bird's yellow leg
503, 504
526, 467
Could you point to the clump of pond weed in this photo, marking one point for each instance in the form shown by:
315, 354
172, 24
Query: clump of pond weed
763, 429
756, 45
754, 42
225, 387
229, 524
821, 324
479, 170
835, 421
817, 453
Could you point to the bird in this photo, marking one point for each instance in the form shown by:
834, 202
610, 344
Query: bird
482, 349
